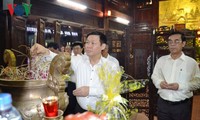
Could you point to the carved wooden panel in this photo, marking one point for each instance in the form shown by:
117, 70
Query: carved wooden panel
18, 31
18, 38
139, 46
57, 29
41, 32
138, 60
140, 100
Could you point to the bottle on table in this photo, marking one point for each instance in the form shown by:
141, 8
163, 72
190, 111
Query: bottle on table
7, 110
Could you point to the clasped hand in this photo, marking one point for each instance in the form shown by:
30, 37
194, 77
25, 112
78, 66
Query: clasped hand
170, 86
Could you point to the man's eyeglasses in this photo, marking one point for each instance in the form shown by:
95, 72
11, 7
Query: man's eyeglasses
175, 41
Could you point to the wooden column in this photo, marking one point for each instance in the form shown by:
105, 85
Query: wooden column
41, 32
196, 107
57, 29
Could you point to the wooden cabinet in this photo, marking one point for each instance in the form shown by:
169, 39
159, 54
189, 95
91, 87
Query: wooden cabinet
140, 100
189, 48
116, 46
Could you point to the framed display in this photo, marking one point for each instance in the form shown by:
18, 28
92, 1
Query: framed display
116, 46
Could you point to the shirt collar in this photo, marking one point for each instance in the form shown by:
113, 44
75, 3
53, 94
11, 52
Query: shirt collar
182, 57
101, 61
108, 56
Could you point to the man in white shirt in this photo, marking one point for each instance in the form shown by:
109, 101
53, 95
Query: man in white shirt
105, 54
77, 48
88, 85
174, 76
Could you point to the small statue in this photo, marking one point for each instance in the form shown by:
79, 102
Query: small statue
56, 79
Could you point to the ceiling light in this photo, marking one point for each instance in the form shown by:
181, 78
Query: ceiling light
109, 13
73, 4
122, 20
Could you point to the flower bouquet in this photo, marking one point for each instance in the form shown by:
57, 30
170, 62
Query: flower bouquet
112, 103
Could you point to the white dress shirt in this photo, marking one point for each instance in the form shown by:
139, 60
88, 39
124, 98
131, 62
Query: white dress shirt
113, 59
182, 71
87, 75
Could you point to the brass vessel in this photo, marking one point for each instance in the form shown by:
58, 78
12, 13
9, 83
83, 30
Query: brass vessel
27, 94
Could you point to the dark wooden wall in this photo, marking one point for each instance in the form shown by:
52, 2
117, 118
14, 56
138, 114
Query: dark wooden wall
139, 43
139, 52
146, 13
